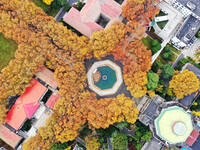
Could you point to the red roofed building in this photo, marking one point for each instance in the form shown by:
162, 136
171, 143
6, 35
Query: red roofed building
89, 19
9, 137
48, 77
26, 105
52, 100
192, 138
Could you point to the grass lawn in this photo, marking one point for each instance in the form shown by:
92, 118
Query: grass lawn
147, 41
174, 49
174, 57
50, 11
7, 50
162, 60
162, 24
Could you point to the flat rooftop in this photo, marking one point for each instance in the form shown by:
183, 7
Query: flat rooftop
189, 29
193, 5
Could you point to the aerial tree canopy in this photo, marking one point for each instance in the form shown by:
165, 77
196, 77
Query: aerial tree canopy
167, 71
184, 83
153, 80
41, 40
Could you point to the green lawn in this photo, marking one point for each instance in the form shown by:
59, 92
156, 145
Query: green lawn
7, 50
147, 42
49, 10
162, 24
174, 49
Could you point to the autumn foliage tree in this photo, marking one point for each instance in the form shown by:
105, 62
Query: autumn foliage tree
98, 114
136, 60
43, 41
140, 10
103, 42
92, 143
184, 83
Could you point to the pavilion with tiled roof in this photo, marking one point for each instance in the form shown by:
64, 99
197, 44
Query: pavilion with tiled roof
26, 105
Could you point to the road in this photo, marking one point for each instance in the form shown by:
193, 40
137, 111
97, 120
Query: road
190, 51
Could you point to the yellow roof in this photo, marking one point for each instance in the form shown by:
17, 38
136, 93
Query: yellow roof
174, 125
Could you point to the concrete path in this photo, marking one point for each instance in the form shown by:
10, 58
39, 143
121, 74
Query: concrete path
163, 44
190, 51
177, 60
174, 18
81, 141
70, 2
60, 14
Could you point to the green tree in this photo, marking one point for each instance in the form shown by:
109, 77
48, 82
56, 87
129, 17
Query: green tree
153, 80
167, 48
181, 63
167, 71
121, 125
147, 136
80, 5
156, 65
58, 3
59, 146
119, 141
61, 2
167, 55
138, 146
155, 46
198, 34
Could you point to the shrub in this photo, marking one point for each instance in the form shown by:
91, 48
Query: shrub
92, 143
119, 141
198, 34
167, 71
153, 79
167, 55
156, 46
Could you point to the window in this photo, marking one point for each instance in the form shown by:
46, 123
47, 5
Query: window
119, 1
102, 20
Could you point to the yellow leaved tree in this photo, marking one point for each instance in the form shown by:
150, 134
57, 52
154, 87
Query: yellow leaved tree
184, 83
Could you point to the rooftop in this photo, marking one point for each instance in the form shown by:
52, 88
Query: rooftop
151, 111
192, 5
196, 145
9, 137
52, 100
189, 29
94, 16
192, 138
174, 125
47, 76
26, 105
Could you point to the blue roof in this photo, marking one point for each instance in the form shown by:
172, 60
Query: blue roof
192, 5
189, 29
196, 145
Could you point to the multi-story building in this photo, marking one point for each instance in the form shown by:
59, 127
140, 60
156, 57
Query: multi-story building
94, 16
190, 9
